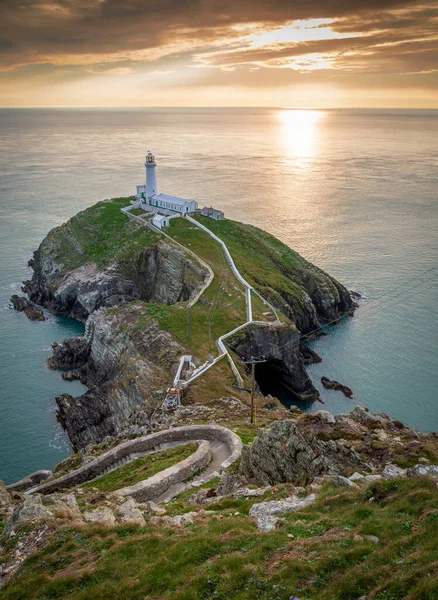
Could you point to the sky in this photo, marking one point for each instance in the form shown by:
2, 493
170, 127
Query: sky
296, 53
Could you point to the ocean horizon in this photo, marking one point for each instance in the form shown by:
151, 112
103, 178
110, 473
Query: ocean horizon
352, 190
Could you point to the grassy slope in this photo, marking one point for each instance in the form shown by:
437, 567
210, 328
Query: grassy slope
142, 468
259, 255
99, 234
317, 554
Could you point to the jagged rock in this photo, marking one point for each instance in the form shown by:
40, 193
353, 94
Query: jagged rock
309, 356
265, 512
5, 498
365, 417
130, 513
31, 310
335, 385
103, 516
326, 417
423, 471
71, 354
283, 454
392, 471
163, 273
121, 369
31, 509
356, 477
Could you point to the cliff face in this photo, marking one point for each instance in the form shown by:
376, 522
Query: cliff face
128, 284
280, 343
126, 367
162, 273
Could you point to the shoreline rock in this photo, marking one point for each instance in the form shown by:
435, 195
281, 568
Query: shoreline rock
335, 385
30, 309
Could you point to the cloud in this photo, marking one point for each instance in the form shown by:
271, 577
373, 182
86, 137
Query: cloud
216, 43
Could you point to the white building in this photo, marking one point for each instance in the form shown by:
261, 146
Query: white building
147, 195
173, 203
160, 221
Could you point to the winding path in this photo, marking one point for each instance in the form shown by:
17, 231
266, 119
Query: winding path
218, 448
223, 350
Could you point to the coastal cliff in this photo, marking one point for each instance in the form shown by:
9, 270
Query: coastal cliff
131, 287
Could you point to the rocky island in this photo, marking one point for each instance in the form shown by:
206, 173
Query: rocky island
192, 500
132, 286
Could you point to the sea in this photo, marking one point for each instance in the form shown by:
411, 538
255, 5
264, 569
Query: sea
354, 191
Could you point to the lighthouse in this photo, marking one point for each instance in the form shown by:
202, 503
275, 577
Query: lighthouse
151, 178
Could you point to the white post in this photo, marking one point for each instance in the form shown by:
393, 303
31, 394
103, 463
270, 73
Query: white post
151, 178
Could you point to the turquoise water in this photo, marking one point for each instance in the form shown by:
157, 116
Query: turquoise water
354, 191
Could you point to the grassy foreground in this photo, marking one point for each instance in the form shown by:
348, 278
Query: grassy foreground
320, 553
142, 468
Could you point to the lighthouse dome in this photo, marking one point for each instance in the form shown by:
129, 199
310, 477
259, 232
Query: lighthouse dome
150, 158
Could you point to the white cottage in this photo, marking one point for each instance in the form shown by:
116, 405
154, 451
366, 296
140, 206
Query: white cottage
160, 221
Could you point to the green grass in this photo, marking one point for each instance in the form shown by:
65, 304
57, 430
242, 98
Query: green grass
101, 234
279, 273
142, 468
227, 558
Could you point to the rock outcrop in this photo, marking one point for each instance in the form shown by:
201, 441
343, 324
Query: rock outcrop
281, 344
331, 384
71, 354
164, 274
31, 310
283, 454
126, 364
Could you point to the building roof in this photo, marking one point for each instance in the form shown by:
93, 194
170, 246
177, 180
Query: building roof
158, 217
214, 211
172, 199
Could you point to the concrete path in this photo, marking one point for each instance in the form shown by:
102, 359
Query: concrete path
249, 290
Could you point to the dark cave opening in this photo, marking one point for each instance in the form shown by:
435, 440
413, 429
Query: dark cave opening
270, 380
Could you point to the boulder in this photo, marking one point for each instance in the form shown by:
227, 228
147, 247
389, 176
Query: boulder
342, 482
102, 516
391, 471
283, 453
326, 417
130, 513
356, 477
63, 505
363, 416
31, 509
250, 492
423, 471
266, 512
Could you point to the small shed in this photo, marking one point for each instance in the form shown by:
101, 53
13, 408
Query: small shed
160, 221
213, 213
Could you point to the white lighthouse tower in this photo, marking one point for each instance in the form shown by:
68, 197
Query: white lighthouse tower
151, 178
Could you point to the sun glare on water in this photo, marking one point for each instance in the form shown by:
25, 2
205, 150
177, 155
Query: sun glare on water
300, 132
